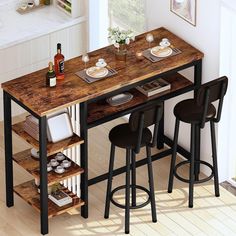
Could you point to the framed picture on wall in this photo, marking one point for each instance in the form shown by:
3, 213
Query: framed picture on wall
185, 9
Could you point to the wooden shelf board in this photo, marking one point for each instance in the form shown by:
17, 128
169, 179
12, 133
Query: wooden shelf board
52, 148
25, 160
28, 192
102, 109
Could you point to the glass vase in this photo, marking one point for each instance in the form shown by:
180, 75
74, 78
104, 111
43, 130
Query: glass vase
121, 52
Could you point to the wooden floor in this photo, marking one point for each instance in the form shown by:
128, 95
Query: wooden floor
210, 215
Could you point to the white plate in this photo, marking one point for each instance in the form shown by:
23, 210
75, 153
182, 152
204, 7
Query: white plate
161, 52
120, 99
97, 72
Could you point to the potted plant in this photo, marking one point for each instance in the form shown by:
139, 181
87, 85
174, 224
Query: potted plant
120, 38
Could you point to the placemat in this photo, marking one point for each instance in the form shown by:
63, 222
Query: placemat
82, 74
152, 58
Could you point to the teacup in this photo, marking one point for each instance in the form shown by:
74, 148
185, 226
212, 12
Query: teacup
59, 169
165, 42
49, 167
60, 157
66, 163
54, 162
101, 62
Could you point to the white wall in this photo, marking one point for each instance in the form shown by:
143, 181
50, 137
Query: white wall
205, 37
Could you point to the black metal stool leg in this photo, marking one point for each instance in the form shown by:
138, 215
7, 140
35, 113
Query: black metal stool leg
173, 158
191, 169
127, 192
214, 156
197, 152
109, 181
133, 179
151, 184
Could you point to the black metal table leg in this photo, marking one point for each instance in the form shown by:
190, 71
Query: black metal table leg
161, 138
84, 158
8, 149
43, 175
197, 83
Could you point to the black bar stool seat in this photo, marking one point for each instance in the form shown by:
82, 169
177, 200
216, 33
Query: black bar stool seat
132, 136
197, 112
189, 112
122, 136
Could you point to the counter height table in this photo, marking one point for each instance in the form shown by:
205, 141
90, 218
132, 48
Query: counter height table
31, 93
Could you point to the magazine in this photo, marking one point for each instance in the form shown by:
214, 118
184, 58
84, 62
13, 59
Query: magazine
154, 87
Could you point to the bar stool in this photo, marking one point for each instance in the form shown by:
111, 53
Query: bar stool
132, 136
197, 112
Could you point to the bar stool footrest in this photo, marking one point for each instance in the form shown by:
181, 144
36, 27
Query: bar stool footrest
131, 207
195, 181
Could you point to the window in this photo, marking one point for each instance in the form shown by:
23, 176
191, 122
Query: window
128, 14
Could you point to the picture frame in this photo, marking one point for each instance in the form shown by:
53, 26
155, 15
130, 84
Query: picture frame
186, 9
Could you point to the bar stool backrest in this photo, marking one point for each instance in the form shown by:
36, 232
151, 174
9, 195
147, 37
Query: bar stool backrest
144, 118
211, 92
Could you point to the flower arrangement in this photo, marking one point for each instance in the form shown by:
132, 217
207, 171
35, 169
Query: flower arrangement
117, 36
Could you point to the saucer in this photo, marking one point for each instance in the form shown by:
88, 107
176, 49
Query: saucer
101, 64
164, 44
59, 172
66, 164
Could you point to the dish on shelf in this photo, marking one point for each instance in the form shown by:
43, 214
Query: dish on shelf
120, 99
54, 163
59, 170
159, 51
49, 167
34, 153
66, 164
97, 72
60, 156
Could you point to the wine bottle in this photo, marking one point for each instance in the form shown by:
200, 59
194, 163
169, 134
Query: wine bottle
51, 80
59, 63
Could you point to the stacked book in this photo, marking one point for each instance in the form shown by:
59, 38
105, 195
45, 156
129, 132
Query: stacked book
31, 127
60, 198
154, 87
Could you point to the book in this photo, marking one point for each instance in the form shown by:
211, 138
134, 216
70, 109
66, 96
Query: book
60, 198
154, 87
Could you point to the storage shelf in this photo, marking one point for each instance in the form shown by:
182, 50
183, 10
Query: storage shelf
28, 192
101, 109
25, 160
52, 148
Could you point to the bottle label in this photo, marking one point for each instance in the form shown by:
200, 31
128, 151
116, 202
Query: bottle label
53, 82
61, 66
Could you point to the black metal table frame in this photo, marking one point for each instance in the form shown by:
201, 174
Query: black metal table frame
84, 126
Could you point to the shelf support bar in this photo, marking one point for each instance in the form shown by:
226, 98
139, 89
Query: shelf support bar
8, 149
84, 157
43, 175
